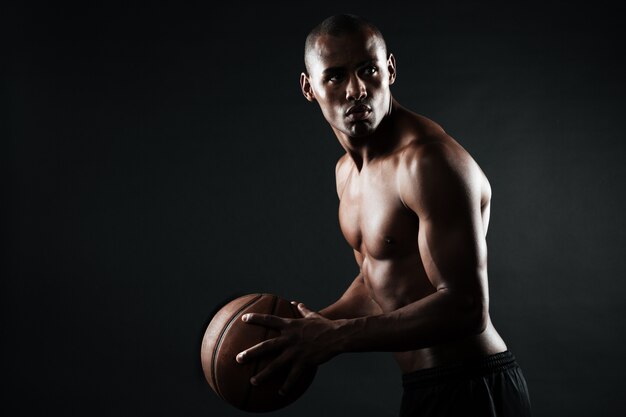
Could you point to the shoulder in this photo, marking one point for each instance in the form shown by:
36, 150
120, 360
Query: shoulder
436, 172
431, 152
342, 172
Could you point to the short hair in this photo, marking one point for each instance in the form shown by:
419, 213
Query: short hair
337, 25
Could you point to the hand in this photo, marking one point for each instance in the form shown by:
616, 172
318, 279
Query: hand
303, 343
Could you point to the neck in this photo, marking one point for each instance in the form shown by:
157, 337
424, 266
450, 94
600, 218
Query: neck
363, 149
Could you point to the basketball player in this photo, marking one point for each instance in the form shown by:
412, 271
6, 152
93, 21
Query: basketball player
414, 205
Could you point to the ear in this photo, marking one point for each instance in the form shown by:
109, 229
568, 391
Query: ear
391, 67
305, 85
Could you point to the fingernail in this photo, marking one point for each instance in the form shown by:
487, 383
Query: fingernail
253, 381
245, 317
241, 357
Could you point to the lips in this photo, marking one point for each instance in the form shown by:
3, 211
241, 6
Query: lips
358, 112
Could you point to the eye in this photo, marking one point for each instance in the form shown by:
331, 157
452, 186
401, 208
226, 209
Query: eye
334, 78
371, 70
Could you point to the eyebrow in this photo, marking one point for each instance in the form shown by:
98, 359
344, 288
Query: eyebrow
331, 70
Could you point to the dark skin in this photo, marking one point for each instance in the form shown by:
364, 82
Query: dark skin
414, 206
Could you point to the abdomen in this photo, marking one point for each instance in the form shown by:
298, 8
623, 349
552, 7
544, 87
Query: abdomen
394, 283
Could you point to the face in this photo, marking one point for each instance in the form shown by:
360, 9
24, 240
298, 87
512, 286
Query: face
349, 77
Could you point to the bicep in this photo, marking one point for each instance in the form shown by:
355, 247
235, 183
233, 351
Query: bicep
445, 193
453, 250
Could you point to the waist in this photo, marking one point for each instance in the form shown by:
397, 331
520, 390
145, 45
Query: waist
460, 370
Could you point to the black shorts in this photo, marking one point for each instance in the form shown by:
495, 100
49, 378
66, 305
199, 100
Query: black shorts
493, 386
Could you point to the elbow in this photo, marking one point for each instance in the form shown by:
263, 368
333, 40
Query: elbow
473, 313
481, 321
477, 314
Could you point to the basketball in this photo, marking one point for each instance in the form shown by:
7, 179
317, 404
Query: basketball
227, 335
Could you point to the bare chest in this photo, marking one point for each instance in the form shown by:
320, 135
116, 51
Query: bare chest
373, 218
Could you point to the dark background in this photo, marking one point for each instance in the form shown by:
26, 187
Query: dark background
158, 160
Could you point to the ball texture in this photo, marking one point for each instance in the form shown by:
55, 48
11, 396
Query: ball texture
227, 335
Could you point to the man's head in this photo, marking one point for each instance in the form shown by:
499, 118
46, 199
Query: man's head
348, 72
339, 25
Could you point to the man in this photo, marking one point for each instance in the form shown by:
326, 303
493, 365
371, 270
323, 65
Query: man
414, 206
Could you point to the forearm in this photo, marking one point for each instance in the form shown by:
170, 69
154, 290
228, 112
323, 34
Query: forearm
439, 318
355, 302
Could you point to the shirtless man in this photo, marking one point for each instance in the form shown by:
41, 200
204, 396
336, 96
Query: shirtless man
414, 206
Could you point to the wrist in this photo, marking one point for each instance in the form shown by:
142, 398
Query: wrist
343, 335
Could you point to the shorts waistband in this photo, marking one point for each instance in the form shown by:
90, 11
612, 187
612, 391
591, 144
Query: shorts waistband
489, 364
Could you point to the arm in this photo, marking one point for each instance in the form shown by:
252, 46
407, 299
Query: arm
443, 188
441, 185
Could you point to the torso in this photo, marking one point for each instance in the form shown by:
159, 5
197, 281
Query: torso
383, 233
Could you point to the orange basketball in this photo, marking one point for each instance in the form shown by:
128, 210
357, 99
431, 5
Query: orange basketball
227, 335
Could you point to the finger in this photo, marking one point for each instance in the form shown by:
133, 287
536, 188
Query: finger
294, 375
305, 311
266, 320
263, 348
270, 369
296, 304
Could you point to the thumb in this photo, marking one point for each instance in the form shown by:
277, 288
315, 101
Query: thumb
303, 309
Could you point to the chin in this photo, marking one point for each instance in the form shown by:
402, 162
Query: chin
360, 130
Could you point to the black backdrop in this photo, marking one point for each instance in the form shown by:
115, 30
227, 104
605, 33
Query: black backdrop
160, 159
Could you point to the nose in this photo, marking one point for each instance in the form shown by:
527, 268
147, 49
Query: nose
355, 90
